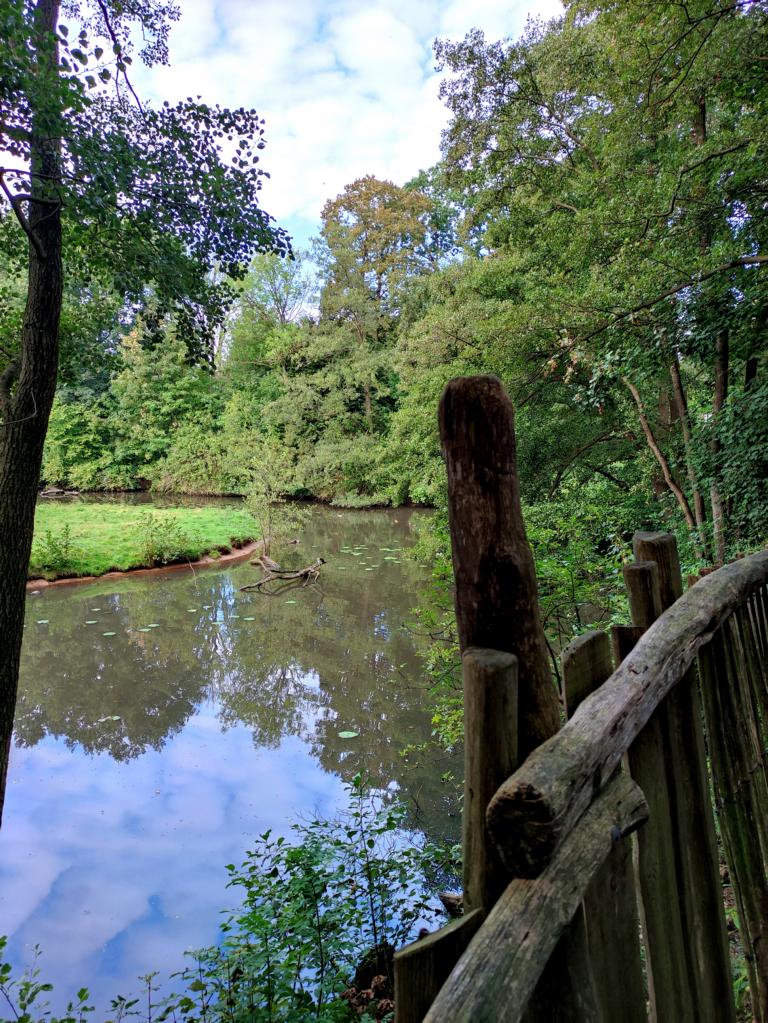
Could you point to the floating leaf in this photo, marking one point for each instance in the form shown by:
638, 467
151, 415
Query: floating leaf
43, 621
248, 619
234, 616
290, 601
145, 629
91, 621
348, 735
153, 625
191, 609
95, 609
109, 633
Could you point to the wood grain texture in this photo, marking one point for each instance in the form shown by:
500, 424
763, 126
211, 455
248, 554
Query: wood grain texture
496, 595
736, 750
541, 802
422, 967
610, 903
496, 976
691, 827
490, 755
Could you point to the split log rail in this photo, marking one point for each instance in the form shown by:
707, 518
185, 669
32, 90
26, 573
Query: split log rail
593, 877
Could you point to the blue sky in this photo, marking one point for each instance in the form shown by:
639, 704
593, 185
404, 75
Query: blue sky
347, 88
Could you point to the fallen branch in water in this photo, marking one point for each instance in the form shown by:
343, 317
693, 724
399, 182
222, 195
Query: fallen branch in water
274, 573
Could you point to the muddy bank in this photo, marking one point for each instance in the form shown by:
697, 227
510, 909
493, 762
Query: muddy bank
208, 561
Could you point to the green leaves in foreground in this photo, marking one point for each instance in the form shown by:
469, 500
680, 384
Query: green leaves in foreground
315, 907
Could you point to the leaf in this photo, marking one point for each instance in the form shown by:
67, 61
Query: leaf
43, 621
348, 735
109, 633
91, 621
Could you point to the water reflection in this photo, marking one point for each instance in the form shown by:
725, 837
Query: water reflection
162, 721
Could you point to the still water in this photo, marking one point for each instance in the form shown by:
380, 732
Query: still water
164, 720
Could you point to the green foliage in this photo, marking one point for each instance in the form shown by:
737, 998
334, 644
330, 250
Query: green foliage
55, 553
342, 894
82, 538
161, 540
312, 909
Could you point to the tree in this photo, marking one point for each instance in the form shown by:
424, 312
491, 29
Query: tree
104, 184
615, 154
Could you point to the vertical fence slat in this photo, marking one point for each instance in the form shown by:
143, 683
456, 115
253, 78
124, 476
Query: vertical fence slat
490, 756
691, 818
610, 905
739, 803
422, 967
663, 927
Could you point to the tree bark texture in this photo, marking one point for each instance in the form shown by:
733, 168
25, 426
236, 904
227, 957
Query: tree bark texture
496, 594
27, 391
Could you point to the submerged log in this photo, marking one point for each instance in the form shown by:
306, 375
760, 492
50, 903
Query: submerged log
274, 573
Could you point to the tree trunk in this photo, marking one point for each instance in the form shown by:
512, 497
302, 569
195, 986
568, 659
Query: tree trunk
685, 422
720, 395
27, 387
660, 457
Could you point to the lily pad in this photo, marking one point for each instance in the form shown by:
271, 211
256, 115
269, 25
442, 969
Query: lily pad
191, 610
249, 619
348, 735
153, 625
145, 629
43, 621
290, 601
109, 633
91, 621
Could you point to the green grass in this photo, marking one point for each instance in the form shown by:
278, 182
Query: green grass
78, 538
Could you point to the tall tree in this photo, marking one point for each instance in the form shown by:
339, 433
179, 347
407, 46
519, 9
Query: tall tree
96, 181
616, 153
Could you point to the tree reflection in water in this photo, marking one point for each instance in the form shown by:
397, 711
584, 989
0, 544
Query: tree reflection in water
312, 663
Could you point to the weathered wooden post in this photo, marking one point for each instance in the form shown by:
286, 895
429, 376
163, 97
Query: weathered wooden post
736, 750
497, 608
610, 905
694, 847
496, 598
490, 756
500, 634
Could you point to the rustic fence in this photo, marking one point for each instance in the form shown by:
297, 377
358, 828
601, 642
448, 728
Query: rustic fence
566, 916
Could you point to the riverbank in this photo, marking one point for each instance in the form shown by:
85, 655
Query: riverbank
81, 539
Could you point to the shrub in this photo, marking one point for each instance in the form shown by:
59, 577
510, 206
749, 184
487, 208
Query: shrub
163, 540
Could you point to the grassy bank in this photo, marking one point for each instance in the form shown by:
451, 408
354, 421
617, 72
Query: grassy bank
81, 538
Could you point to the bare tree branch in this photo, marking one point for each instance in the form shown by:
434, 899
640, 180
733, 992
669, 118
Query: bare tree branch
15, 203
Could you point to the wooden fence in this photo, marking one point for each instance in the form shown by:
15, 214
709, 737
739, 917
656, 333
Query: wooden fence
566, 916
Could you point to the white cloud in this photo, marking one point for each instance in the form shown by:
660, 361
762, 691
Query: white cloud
346, 88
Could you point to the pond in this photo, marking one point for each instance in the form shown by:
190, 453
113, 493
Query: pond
164, 720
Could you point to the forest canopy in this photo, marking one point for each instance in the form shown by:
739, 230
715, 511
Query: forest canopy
593, 234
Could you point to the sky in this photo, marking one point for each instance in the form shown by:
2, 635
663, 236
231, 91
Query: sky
347, 88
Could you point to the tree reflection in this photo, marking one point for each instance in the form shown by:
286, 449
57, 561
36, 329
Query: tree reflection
311, 663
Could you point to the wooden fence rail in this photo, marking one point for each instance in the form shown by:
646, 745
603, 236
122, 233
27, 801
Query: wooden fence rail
563, 922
